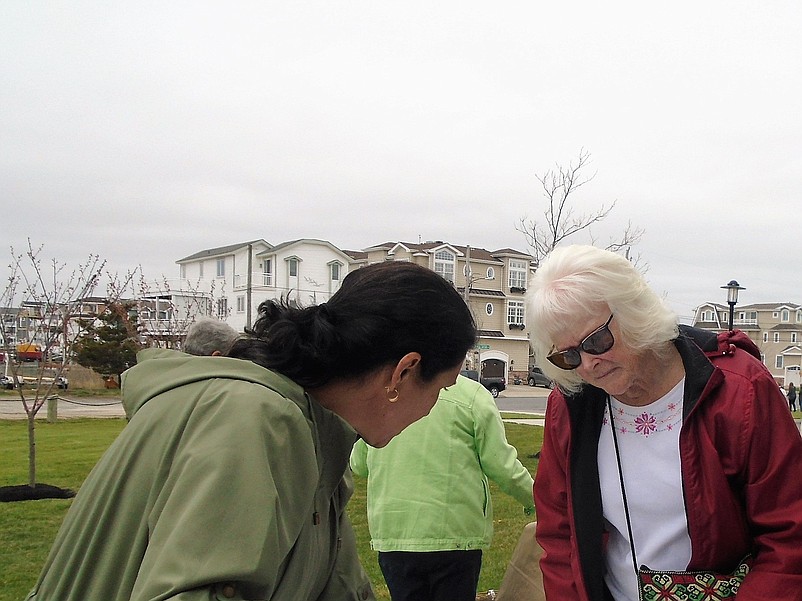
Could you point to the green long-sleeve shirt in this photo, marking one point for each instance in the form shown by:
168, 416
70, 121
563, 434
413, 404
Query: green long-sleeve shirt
428, 488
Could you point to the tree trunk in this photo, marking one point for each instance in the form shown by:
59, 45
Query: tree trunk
31, 449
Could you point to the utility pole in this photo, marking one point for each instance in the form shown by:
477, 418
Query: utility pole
249, 287
468, 275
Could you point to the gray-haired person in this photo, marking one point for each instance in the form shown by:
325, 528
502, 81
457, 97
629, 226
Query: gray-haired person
208, 336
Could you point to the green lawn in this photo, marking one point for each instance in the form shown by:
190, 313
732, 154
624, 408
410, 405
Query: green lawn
67, 450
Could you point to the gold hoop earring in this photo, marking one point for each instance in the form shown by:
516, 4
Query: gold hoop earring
394, 398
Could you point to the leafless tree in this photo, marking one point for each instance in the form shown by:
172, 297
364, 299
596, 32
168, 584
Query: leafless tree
43, 302
561, 220
165, 312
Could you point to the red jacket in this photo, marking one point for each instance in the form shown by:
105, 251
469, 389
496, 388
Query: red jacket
741, 457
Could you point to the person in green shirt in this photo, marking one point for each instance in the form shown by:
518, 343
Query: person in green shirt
430, 513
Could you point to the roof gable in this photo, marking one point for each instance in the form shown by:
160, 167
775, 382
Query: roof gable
223, 250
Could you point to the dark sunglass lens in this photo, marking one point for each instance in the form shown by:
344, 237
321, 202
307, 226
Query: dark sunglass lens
573, 359
569, 359
600, 342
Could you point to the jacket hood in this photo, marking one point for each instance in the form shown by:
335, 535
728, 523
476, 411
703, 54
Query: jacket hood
160, 370
720, 343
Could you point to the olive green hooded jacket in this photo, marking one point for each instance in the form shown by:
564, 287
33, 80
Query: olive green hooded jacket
227, 483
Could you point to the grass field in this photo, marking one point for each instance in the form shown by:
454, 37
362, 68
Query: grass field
68, 449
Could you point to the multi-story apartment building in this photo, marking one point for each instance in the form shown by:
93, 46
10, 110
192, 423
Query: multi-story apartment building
237, 278
493, 284
776, 329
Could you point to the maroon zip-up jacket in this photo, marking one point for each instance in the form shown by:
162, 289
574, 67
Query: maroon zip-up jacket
741, 456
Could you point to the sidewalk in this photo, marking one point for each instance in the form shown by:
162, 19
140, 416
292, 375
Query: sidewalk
102, 407
524, 390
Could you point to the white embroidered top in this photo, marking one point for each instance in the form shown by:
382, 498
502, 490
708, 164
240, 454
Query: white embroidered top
648, 440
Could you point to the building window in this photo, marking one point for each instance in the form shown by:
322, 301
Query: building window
293, 267
240, 304
517, 274
490, 274
200, 270
793, 336
776, 336
183, 270
444, 264
335, 275
489, 308
765, 336
267, 272
222, 308
778, 362
786, 315
515, 312
221, 268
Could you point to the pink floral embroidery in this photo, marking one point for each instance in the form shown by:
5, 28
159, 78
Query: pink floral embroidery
645, 424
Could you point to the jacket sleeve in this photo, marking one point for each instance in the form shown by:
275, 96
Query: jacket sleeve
554, 531
499, 459
232, 506
359, 458
773, 496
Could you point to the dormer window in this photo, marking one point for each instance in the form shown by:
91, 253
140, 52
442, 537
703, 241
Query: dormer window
517, 277
444, 262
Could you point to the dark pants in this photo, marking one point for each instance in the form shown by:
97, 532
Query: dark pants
431, 575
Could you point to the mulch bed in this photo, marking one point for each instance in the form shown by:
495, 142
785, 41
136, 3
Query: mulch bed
23, 492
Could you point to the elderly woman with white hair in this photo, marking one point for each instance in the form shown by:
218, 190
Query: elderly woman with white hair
665, 446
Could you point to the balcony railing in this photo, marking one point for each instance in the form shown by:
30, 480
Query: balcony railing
258, 280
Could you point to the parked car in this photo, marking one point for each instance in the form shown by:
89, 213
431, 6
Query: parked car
7, 382
538, 378
494, 384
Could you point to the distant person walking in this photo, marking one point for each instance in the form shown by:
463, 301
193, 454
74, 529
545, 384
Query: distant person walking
792, 397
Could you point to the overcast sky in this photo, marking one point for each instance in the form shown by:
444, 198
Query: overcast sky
146, 131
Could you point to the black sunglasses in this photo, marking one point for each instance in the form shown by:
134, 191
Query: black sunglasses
599, 341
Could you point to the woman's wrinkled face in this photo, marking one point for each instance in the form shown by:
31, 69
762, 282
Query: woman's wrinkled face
614, 371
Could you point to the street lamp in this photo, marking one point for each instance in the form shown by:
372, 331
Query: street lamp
732, 297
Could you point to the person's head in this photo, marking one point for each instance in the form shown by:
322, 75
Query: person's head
596, 305
392, 325
209, 336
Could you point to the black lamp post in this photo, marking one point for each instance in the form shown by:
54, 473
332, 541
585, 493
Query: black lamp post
732, 297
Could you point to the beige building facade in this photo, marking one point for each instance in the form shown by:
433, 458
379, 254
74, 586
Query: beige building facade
493, 284
776, 329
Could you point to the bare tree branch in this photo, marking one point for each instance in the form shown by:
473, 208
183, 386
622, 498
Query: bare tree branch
560, 221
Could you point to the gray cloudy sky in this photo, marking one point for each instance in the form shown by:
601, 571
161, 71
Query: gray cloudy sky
145, 131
